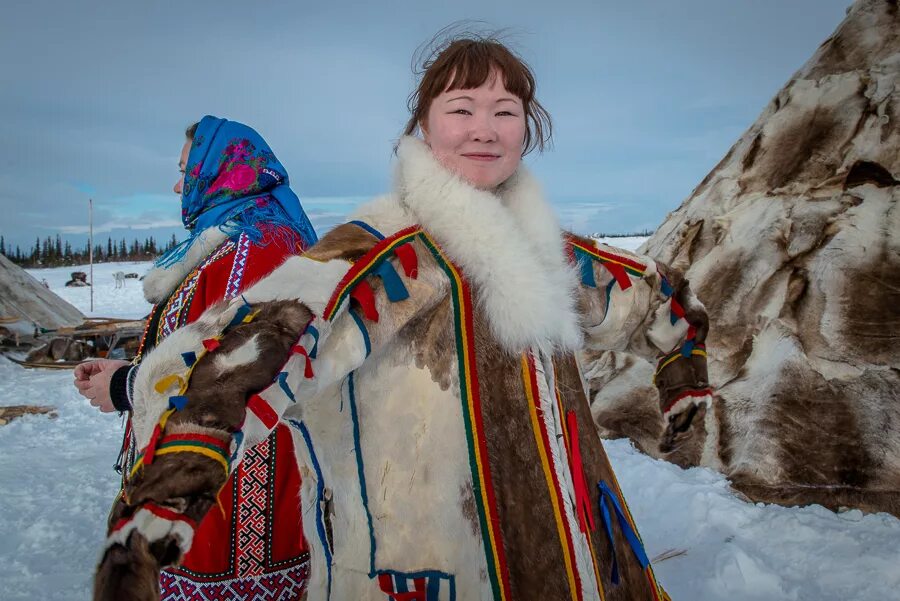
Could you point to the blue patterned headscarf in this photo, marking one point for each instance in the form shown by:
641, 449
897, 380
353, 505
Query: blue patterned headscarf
233, 181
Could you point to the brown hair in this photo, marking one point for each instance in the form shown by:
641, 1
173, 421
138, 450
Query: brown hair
466, 62
191, 131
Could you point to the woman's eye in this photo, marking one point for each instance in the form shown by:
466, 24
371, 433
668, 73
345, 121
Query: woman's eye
461, 112
505, 114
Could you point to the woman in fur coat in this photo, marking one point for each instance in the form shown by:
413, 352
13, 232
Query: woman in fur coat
244, 221
426, 352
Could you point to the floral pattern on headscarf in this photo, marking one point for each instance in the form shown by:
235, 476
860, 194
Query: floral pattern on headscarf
234, 181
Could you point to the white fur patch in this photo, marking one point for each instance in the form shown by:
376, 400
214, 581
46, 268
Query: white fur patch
242, 355
161, 281
508, 244
307, 280
153, 528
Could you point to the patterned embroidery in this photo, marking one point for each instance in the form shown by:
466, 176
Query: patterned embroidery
421, 586
236, 277
285, 585
253, 507
175, 312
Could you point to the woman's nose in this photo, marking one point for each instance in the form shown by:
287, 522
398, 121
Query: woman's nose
178, 186
483, 130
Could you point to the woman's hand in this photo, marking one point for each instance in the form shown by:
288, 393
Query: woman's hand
92, 381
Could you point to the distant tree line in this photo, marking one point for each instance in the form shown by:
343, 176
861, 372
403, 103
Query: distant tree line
641, 234
54, 252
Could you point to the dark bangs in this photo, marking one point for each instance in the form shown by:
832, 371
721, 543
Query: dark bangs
468, 63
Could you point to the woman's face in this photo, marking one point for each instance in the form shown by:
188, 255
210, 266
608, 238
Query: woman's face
477, 133
182, 163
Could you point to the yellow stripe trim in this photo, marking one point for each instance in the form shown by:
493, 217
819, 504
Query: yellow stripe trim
200, 450
545, 464
471, 407
365, 271
696, 351
596, 255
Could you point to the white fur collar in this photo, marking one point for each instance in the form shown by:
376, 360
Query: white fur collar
508, 244
161, 281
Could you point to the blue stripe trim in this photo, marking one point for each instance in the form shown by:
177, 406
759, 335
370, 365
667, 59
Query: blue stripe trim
666, 287
361, 473
320, 495
586, 265
311, 329
362, 328
282, 381
630, 535
368, 228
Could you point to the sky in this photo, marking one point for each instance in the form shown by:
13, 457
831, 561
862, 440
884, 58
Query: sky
646, 97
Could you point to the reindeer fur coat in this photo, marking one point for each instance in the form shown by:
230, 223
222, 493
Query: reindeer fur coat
426, 353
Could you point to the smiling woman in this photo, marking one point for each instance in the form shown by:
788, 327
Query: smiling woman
425, 351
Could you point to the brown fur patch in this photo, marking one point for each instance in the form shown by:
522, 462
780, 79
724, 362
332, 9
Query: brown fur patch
633, 584
795, 154
188, 482
129, 573
433, 349
870, 311
807, 412
528, 531
347, 241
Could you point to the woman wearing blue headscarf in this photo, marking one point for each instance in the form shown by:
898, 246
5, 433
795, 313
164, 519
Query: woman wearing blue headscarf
244, 220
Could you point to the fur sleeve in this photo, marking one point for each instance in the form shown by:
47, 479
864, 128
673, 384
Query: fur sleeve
631, 303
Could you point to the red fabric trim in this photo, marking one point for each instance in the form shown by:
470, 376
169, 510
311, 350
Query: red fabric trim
408, 260
150, 452
167, 514
385, 583
196, 438
582, 496
685, 394
211, 344
619, 273
301, 350
263, 411
677, 309
364, 295
363, 263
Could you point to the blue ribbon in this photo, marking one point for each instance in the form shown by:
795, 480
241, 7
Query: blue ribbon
666, 287
630, 535
393, 285
311, 329
586, 266
189, 357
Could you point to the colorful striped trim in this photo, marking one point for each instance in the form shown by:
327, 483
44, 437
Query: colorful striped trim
363, 266
201, 444
542, 440
631, 266
424, 585
658, 593
567, 440
485, 497
698, 350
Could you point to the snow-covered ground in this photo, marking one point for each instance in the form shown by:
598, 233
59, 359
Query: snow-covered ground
57, 484
109, 301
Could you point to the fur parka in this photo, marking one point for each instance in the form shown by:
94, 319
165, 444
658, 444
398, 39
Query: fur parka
426, 352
